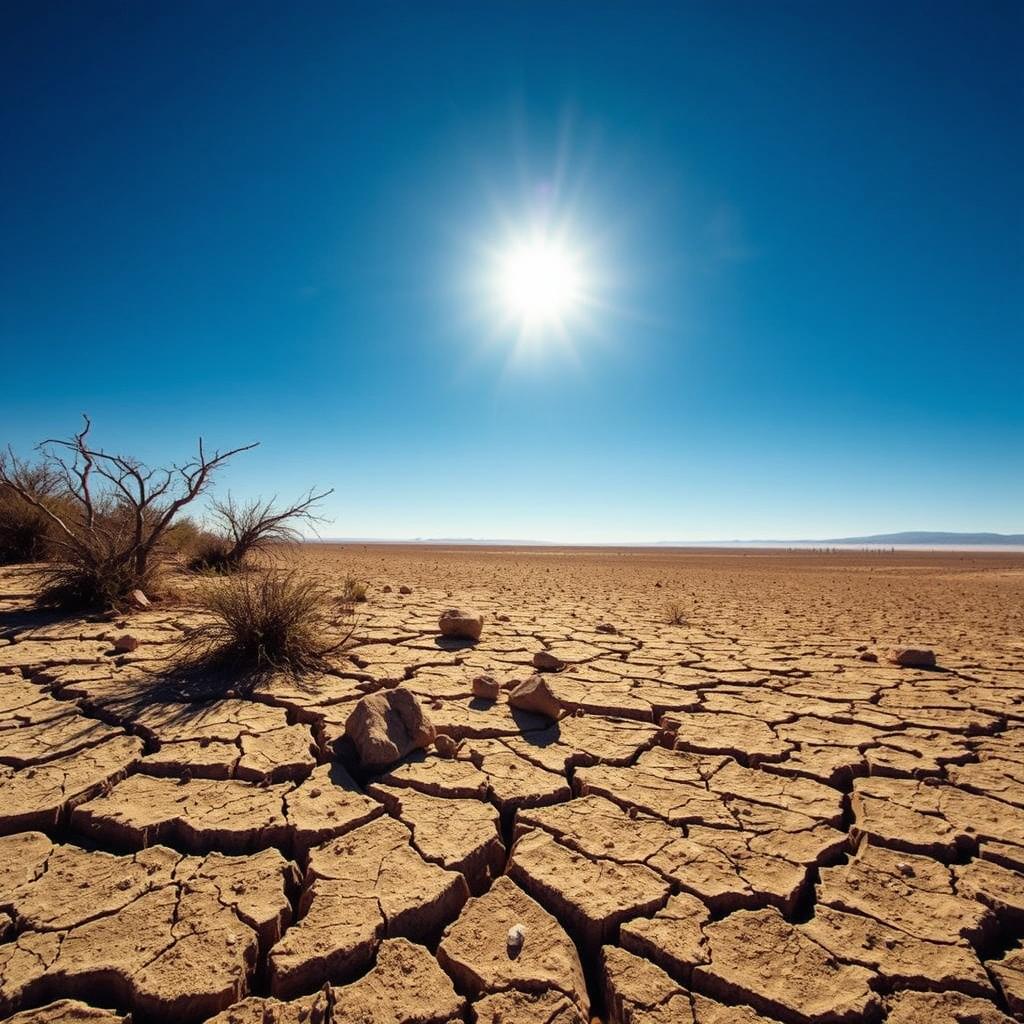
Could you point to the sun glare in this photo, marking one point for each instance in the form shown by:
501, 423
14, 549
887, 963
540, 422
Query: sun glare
540, 282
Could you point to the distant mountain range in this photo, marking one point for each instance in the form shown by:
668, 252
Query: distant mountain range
932, 537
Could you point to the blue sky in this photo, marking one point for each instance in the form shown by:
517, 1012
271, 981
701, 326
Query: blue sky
803, 227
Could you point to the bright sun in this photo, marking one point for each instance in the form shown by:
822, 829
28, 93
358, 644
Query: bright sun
540, 282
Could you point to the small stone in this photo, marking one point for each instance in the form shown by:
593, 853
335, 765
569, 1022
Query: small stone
516, 937
139, 599
869, 656
486, 687
502, 618
905, 869
545, 661
605, 627
386, 589
405, 590
912, 657
125, 644
445, 745
536, 695
460, 624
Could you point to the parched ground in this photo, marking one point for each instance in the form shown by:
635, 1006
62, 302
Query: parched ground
741, 819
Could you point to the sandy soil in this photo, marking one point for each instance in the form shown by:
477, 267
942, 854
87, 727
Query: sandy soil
741, 818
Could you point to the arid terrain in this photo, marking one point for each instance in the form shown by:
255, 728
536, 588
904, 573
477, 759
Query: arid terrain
739, 818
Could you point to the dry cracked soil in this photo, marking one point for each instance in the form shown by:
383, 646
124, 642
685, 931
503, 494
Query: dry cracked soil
751, 816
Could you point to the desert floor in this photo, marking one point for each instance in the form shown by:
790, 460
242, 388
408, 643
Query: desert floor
739, 819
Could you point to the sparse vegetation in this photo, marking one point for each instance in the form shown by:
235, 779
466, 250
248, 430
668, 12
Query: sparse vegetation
676, 612
110, 516
267, 620
353, 591
25, 531
240, 529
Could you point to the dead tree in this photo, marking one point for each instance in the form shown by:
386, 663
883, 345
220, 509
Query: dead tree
113, 515
242, 528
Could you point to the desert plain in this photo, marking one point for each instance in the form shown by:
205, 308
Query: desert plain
747, 816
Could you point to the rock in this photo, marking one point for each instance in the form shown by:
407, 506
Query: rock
405, 590
387, 725
126, 644
386, 589
545, 661
139, 600
445, 745
605, 627
502, 618
869, 656
912, 657
486, 687
535, 695
516, 937
460, 624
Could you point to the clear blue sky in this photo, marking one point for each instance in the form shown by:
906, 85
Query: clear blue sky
804, 224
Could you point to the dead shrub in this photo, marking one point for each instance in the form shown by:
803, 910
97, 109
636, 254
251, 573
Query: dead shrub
267, 620
676, 612
353, 591
25, 531
109, 515
240, 529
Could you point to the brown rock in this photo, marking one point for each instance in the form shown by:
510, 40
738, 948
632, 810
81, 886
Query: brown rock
387, 725
460, 624
486, 687
445, 745
139, 600
535, 695
405, 589
912, 657
126, 644
545, 661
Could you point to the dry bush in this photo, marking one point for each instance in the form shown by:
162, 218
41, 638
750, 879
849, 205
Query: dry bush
266, 620
353, 591
676, 612
242, 528
110, 516
25, 531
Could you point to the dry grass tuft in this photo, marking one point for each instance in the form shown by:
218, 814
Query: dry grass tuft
267, 620
676, 612
353, 591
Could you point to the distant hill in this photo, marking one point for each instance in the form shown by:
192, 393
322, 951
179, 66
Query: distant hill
931, 537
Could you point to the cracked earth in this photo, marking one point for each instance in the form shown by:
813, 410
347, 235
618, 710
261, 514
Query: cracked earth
740, 819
